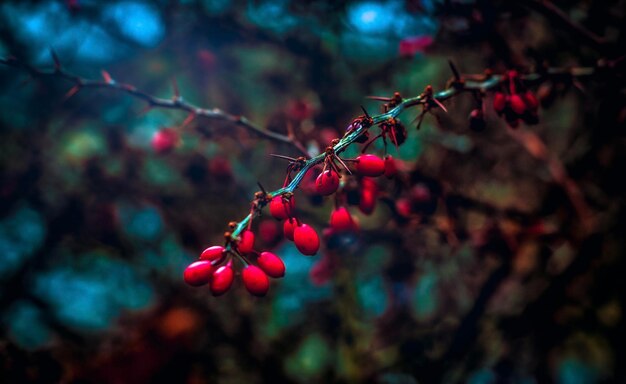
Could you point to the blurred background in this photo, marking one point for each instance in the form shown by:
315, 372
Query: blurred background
492, 277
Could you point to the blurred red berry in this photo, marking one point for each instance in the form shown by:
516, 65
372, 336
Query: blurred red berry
327, 183
531, 101
281, 208
499, 102
271, 264
212, 253
370, 165
269, 233
222, 280
368, 196
255, 280
306, 239
220, 168
198, 273
517, 104
409, 46
403, 207
164, 140
300, 110
477, 120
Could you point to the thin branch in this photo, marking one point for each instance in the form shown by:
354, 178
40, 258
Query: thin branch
554, 13
176, 103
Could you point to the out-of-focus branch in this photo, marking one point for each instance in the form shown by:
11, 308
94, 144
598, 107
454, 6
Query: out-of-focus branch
176, 102
533, 144
555, 14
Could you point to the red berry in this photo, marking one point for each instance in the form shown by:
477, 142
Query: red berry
367, 203
369, 194
255, 280
221, 280
499, 102
391, 169
370, 165
281, 208
306, 239
164, 140
420, 193
198, 273
288, 228
531, 100
246, 242
220, 168
271, 264
517, 104
269, 233
212, 253
327, 183
403, 207
341, 220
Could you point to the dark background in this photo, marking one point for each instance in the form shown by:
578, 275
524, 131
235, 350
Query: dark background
495, 278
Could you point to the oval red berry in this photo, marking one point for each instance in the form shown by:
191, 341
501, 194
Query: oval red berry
281, 208
341, 220
221, 280
391, 169
212, 253
306, 239
255, 280
499, 102
198, 273
517, 104
288, 227
327, 183
271, 264
246, 242
370, 165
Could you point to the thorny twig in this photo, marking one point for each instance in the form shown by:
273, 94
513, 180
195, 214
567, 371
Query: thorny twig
428, 100
176, 102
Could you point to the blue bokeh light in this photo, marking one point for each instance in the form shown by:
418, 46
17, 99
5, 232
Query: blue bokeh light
26, 325
91, 295
137, 21
371, 17
21, 234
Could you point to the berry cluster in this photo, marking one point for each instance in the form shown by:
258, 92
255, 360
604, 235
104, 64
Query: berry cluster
518, 104
215, 265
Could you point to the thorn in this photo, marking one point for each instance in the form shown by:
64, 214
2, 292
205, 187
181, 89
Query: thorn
379, 98
71, 92
175, 87
283, 157
364, 111
455, 71
55, 58
188, 119
145, 110
107, 77
578, 85
261, 186
343, 164
419, 119
439, 104
334, 167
